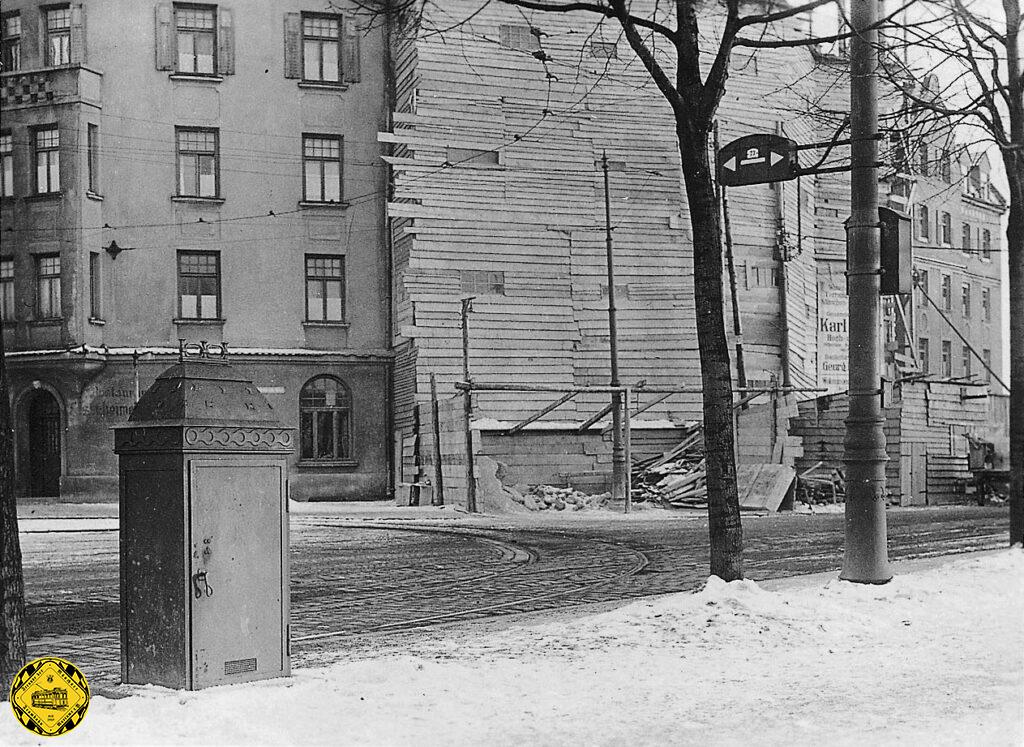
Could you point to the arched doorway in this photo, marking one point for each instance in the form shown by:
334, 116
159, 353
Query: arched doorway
44, 444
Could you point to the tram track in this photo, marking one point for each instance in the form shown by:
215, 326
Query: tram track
532, 601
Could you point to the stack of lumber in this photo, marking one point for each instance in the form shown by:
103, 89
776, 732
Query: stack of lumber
677, 478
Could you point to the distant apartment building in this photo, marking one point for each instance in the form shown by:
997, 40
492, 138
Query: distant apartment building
956, 324
955, 213
201, 172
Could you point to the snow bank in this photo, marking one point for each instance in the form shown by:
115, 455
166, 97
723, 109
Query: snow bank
935, 657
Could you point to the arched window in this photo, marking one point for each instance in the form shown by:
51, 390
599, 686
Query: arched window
325, 420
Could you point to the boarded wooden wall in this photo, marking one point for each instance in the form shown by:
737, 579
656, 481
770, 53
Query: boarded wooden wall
927, 418
535, 217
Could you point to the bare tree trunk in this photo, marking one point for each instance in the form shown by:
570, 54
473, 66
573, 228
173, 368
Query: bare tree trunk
12, 584
726, 533
1014, 161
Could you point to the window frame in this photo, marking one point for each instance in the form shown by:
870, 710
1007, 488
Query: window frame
986, 244
965, 300
212, 32
341, 453
95, 286
482, 282
93, 157
216, 274
945, 228
49, 35
947, 292
51, 164
322, 40
947, 359
986, 305
10, 44
8, 272
179, 152
923, 353
308, 160
510, 34
923, 159
52, 280
966, 238
6, 163
924, 223
986, 357
965, 360
322, 280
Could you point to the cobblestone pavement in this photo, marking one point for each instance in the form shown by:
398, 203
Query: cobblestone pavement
357, 583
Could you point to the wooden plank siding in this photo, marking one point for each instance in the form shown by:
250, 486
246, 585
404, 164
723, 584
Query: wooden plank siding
932, 414
535, 217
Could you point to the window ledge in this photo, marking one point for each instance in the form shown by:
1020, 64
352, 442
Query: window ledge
51, 322
313, 463
94, 196
196, 77
339, 325
329, 205
198, 200
316, 85
204, 322
97, 321
43, 196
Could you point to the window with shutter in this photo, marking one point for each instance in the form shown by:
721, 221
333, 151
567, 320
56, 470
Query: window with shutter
196, 39
321, 49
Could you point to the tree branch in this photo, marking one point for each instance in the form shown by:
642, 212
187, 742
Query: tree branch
604, 10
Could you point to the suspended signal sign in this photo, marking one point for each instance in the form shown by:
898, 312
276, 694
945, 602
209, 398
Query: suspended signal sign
757, 159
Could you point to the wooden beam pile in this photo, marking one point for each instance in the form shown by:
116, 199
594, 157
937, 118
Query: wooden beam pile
677, 478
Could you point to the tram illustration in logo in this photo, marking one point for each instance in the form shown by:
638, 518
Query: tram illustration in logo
49, 696
52, 700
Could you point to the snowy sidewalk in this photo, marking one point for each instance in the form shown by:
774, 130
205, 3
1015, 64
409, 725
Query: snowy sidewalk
934, 657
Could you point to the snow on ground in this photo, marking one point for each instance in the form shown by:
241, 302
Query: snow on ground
934, 657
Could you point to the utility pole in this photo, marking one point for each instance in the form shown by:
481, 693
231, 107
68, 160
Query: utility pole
866, 557
467, 407
730, 264
437, 494
618, 454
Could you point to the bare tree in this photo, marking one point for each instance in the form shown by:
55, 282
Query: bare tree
12, 584
692, 79
976, 55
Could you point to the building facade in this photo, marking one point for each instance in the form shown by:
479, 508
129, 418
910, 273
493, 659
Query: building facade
500, 129
198, 172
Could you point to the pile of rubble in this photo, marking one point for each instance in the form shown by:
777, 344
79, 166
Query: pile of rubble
677, 478
546, 497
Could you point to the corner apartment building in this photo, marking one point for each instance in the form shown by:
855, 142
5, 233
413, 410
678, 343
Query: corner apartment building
201, 172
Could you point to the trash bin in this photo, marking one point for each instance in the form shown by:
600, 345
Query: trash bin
204, 529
